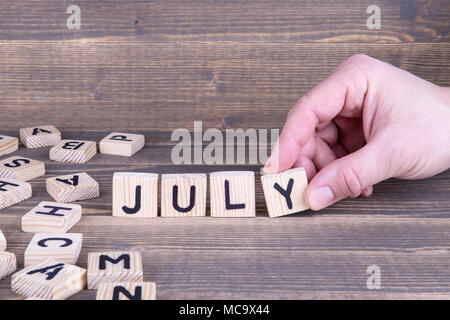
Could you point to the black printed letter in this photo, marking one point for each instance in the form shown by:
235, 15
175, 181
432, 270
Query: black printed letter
228, 205
53, 211
119, 289
58, 267
67, 242
175, 199
286, 193
16, 163
137, 205
125, 257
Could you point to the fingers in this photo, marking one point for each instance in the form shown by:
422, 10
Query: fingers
349, 176
343, 91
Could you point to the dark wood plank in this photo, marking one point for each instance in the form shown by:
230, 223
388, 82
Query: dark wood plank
282, 258
268, 20
154, 66
161, 86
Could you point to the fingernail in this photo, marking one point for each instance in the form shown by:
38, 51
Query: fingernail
320, 198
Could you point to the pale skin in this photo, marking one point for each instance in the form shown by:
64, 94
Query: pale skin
367, 122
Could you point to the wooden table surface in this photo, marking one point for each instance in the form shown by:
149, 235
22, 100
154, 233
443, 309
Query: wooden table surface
153, 66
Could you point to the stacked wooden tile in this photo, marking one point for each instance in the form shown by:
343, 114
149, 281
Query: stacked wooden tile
8, 262
285, 192
50, 280
74, 187
183, 195
51, 217
232, 194
63, 247
13, 191
122, 144
2, 241
74, 151
126, 291
8, 144
135, 194
114, 267
42, 136
21, 168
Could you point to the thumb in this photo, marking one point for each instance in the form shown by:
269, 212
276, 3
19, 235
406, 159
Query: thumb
349, 176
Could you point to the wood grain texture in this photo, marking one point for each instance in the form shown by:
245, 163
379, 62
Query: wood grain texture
150, 67
53, 217
3, 242
232, 194
8, 144
21, 168
122, 144
267, 20
190, 194
135, 195
13, 191
73, 187
8, 264
65, 280
285, 192
73, 151
42, 136
116, 266
62, 247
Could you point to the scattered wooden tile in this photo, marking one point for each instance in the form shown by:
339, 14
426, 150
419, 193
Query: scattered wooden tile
73, 187
135, 194
49, 280
13, 191
8, 264
232, 194
74, 151
21, 168
63, 247
285, 192
51, 217
119, 266
122, 144
127, 291
2, 241
42, 136
183, 195
8, 145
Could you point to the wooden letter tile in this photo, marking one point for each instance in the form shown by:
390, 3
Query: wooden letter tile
135, 194
2, 241
51, 217
8, 145
285, 192
21, 168
13, 191
74, 151
114, 267
127, 291
64, 247
73, 187
232, 194
43, 136
122, 144
183, 195
8, 264
49, 280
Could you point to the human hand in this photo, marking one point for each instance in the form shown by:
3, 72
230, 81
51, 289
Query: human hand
367, 122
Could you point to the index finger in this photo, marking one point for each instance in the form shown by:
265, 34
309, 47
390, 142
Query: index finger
343, 90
